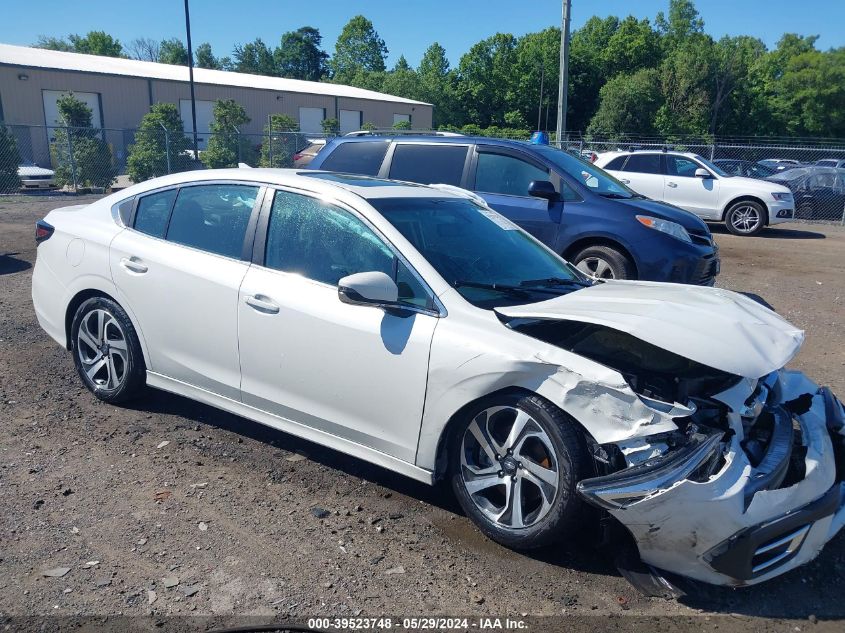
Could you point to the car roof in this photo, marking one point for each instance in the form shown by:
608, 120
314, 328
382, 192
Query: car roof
314, 181
422, 138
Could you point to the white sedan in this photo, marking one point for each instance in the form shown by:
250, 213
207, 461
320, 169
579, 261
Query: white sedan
745, 205
34, 177
416, 328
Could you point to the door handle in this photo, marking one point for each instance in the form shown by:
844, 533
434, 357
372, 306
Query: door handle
132, 264
674, 185
262, 304
625, 181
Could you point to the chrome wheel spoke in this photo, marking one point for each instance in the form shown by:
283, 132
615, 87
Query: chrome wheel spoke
102, 349
94, 367
86, 338
520, 423
484, 440
512, 514
475, 486
541, 474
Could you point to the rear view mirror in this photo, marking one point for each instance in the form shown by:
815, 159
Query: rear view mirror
702, 173
370, 288
543, 189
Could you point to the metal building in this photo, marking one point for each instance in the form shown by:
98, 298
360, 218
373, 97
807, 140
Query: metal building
120, 91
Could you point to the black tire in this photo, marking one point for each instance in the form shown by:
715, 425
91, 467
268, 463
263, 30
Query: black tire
604, 262
737, 218
568, 513
120, 373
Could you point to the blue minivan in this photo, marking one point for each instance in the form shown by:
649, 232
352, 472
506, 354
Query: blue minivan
590, 218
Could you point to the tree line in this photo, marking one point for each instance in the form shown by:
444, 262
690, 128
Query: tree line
665, 76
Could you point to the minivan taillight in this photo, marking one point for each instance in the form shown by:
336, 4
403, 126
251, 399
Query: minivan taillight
43, 231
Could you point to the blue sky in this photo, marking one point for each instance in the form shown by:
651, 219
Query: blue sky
406, 27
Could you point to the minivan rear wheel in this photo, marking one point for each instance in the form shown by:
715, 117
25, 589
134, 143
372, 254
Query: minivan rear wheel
604, 262
514, 462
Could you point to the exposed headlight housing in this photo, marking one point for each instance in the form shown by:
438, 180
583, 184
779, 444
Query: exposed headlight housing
619, 490
782, 196
665, 226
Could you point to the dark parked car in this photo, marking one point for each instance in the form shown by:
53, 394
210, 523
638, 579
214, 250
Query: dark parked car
574, 207
746, 168
819, 192
831, 162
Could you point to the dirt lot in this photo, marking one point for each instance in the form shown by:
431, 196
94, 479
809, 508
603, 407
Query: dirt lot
168, 491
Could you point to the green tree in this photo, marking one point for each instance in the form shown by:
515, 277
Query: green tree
226, 147
369, 126
299, 55
629, 104
686, 80
173, 51
736, 85
436, 86
485, 76
358, 48
255, 58
588, 68
402, 81
145, 49
281, 141
537, 55
402, 125
93, 43
682, 22
330, 126
81, 156
204, 58
156, 152
635, 44
10, 159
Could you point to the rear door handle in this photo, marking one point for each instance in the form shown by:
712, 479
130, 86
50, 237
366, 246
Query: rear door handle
134, 265
674, 185
262, 304
625, 181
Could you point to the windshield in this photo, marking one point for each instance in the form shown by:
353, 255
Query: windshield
474, 249
714, 168
594, 178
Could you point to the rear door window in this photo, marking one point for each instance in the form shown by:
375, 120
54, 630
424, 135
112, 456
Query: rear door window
505, 174
644, 164
428, 164
363, 157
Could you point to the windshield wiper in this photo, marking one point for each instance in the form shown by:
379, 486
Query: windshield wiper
522, 291
615, 196
554, 281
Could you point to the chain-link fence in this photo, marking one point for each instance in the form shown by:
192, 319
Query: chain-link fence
99, 159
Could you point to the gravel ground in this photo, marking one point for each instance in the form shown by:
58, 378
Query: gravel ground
169, 507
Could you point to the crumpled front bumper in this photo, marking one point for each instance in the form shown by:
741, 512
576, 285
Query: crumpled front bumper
720, 531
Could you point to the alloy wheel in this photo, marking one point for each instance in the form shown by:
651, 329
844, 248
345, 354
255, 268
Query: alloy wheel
509, 467
102, 349
745, 218
596, 267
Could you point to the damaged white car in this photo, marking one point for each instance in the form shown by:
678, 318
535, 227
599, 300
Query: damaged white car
416, 328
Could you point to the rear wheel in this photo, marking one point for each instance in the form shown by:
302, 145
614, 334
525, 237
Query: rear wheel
106, 351
604, 262
514, 463
745, 217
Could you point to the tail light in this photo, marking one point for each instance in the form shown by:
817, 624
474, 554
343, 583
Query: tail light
297, 156
43, 231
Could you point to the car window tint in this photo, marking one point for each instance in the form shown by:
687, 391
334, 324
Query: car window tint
153, 211
212, 217
567, 193
498, 173
325, 243
363, 157
428, 164
616, 163
680, 166
643, 163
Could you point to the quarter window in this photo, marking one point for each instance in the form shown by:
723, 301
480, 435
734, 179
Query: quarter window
363, 157
428, 164
644, 164
499, 173
325, 243
212, 218
153, 211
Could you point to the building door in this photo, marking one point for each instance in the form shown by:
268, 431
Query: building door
397, 118
205, 115
311, 120
350, 121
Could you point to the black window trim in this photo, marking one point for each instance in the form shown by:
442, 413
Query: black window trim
355, 141
259, 244
481, 148
249, 235
387, 164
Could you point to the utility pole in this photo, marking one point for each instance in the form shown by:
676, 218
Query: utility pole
540, 103
191, 80
563, 82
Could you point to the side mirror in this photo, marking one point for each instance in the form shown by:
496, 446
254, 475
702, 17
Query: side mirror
368, 289
702, 173
543, 189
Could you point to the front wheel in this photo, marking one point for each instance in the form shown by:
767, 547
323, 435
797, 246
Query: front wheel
745, 218
514, 463
106, 351
604, 262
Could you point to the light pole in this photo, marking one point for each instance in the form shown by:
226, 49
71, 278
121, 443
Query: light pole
191, 80
540, 102
563, 81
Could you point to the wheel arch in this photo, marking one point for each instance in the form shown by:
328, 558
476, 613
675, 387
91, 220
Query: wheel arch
600, 240
746, 198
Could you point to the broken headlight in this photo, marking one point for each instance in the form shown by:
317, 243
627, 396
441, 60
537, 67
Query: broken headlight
627, 487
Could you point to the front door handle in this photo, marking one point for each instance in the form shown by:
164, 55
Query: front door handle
674, 185
134, 265
262, 304
625, 181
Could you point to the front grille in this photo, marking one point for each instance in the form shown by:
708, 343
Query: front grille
777, 551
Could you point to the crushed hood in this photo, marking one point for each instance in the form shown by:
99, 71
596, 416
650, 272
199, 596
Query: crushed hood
715, 327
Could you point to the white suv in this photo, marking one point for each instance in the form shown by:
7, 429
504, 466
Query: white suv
745, 205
